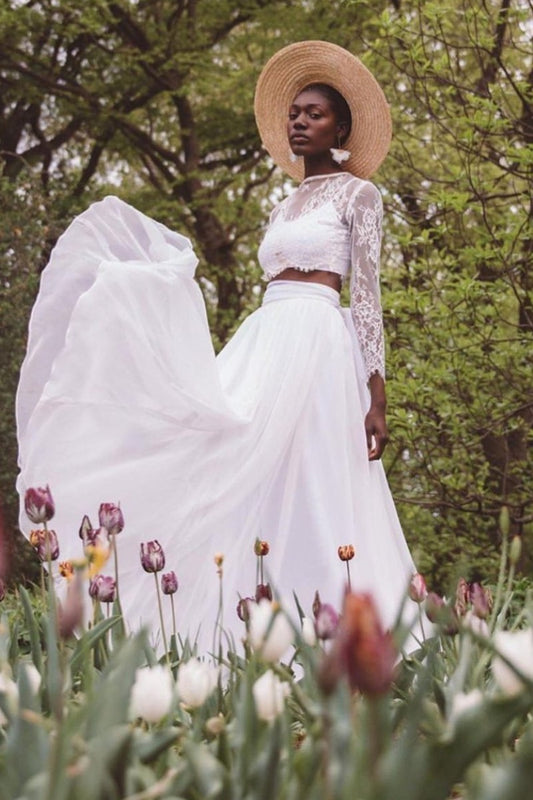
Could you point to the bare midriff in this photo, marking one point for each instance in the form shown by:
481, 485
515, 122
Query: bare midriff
331, 279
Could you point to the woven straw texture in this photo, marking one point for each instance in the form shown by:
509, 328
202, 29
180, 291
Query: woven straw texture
302, 63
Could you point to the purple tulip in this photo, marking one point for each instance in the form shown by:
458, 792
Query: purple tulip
152, 556
326, 621
110, 517
70, 614
103, 588
481, 600
169, 583
462, 593
39, 505
96, 537
263, 592
45, 544
434, 607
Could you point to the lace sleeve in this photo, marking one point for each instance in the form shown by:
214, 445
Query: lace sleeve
365, 216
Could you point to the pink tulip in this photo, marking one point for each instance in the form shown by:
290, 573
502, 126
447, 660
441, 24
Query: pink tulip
152, 556
243, 608
103, 588
45, 544
110, 517
169, 583
39, 505
326, 621
263, 591
417, 588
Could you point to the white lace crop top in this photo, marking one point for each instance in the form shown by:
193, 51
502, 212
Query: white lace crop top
333, 223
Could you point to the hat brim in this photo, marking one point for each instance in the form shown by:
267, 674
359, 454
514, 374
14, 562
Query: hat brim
302, 63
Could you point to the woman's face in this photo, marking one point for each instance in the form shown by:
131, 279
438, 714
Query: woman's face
312, 126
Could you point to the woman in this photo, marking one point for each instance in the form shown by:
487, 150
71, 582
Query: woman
278, 438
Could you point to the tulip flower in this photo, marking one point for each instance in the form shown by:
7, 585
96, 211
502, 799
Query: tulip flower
243, 608
417, 588
461, 597
39, 505
45, 544
269, 631
362, 650
326, 621
103, 588
152, 693
263, 591
85, 527
269, 696
169, 583
152, 556
195, 682
346, 552
70, 614
481, 600
66, 569
96, 537
434, 606
308, 631
261, 548
110, 517
517, 647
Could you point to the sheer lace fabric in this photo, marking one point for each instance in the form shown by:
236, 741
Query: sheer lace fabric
333, 223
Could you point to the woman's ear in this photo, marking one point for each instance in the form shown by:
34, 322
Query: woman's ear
342, 131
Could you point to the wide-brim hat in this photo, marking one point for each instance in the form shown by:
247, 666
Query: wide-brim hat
296, 66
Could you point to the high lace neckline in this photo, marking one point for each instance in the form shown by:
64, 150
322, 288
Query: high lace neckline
325, 175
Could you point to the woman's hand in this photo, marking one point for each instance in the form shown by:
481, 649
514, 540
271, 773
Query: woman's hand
375, 423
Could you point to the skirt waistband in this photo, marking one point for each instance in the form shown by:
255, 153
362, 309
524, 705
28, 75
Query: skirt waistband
292, 290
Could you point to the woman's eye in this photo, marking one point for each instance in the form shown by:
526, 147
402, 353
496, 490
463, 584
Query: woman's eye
314, 116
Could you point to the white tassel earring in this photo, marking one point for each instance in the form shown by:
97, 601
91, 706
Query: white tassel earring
293, 158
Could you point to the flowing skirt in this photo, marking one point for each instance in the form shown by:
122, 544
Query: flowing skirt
122, 399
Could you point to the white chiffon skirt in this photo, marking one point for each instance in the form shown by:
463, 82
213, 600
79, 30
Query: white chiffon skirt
122, 399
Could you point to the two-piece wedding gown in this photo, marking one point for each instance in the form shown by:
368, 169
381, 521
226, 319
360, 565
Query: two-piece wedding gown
122, 399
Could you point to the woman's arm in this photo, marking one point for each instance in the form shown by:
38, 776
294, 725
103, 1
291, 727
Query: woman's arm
375, 421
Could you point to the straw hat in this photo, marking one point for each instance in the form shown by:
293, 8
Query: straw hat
302, 63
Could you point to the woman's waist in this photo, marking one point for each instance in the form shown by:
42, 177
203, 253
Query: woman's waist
282, 289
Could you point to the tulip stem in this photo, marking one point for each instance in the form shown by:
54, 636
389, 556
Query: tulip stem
349, 576
173, 617
165, 645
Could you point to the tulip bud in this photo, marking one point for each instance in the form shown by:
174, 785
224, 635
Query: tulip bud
110, 517
346, 552
263, 592
39, 505
505, 521
433, 607
85, 527
316, 604
269, 631
515, 550
70, 614
152, 556
66, 569
462, 596
152, 693
326, 622
269, 696
481, 600
195, 682
308, 631
103, 588
243, 608
219, 559
517, 647
3, 589
417, 588
261, 548
45, 544
169, 583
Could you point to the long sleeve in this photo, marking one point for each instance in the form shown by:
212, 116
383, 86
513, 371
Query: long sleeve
365, 217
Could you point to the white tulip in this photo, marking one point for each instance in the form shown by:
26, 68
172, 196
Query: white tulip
517, 646
152, 693
10, 689
462, 702
269, 696
269, 637
308, 631
195, 682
